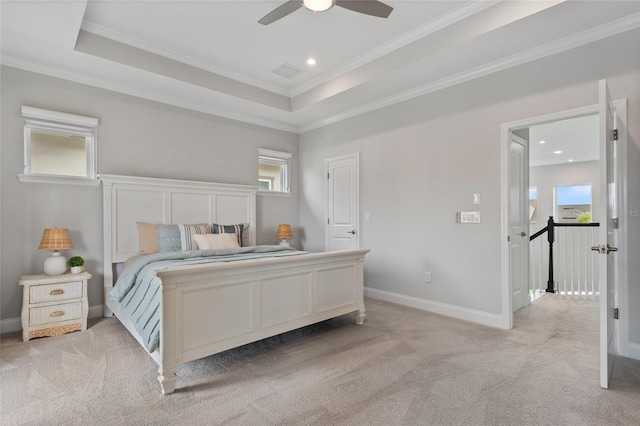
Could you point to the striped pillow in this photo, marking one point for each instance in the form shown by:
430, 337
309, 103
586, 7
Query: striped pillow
231, 229
188, 231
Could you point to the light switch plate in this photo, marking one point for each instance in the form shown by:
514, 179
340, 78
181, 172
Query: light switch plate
476, 198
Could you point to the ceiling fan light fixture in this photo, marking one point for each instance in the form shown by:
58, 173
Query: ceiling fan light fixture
318, 5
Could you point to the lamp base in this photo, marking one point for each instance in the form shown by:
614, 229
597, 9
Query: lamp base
56, 264
284, 243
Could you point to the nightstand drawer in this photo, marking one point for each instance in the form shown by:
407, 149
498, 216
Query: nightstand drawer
52, 292
55, 313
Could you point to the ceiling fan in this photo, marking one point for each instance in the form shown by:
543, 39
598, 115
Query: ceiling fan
368, 7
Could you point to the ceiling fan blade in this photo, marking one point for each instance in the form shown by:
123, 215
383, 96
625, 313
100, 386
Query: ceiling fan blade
368, 7
280, 12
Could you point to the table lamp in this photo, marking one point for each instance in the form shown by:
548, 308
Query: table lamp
55, 239
284, 232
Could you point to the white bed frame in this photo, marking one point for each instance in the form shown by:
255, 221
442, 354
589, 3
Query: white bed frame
207, 309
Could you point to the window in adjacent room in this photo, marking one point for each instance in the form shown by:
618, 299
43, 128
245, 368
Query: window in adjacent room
573, 203
533, 204
273, 171
59, 147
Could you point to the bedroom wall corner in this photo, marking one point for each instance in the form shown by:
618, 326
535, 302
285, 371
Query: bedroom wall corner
135, 137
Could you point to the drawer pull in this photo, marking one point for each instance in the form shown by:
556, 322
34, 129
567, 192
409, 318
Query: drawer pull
57, 314
56, 292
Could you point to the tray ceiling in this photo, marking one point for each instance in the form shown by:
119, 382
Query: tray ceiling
213, 56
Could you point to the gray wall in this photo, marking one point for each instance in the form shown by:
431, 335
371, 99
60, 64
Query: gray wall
421, 161
546, 178
135, 137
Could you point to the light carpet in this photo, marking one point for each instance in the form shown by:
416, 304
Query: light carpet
402, 367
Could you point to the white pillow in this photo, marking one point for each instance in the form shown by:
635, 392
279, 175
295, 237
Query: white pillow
216, 241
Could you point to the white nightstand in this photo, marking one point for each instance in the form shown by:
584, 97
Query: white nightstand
54, 304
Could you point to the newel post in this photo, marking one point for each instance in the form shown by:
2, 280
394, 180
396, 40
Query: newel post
550, 238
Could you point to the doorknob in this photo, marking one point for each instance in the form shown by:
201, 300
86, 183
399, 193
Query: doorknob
353, 231
604, 250
523, 234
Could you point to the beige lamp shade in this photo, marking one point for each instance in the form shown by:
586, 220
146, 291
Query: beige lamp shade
55, 239
284, 231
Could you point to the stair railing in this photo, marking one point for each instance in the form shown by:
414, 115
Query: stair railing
567, 253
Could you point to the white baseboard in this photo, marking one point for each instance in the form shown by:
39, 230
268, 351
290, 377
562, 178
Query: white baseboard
479, 317
633, 351
10, 325
96, 311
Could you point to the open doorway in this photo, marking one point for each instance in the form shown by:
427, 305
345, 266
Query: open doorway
564, 184
611, 115
522, 128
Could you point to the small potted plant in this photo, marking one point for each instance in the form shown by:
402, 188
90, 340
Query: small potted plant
76, 263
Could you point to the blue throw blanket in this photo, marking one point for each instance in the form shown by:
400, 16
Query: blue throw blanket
138, 290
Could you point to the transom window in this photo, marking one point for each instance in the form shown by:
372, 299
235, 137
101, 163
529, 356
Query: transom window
273, 171
58, 147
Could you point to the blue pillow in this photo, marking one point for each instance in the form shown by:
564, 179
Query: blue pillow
168, 238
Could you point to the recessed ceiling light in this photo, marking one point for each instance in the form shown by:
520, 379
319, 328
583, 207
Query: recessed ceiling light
543, 142
557, 152
311, 61
571, 160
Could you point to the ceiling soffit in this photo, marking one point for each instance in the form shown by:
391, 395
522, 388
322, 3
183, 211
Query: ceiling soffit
459, 44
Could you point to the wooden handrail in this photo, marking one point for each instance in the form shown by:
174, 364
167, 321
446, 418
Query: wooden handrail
537, 234
563, 224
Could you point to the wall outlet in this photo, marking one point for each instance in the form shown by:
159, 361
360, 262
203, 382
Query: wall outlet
427, 277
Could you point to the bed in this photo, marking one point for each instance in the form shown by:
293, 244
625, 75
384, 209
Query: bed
207, 308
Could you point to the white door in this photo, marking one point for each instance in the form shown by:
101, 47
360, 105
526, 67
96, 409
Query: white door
608, 237
342, 203
519, 224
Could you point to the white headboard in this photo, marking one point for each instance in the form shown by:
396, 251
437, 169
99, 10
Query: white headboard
128, 199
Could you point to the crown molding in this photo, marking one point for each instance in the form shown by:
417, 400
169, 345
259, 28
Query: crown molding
121, 37
561, 45
395, 44
32, 66
603, 31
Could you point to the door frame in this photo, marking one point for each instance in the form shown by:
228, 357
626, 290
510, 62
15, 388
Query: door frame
327, 161
505, 169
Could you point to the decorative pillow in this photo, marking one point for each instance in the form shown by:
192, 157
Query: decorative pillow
188, 231
147, 237
216, 241
168, 238
231, 229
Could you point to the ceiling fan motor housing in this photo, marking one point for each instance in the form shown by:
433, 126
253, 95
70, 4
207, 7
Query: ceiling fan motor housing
318, 5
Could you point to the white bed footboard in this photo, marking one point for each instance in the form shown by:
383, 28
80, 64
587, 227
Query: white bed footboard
209, 309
